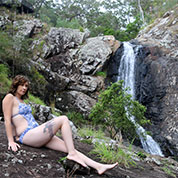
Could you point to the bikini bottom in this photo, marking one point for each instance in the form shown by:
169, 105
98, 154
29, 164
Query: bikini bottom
23, 134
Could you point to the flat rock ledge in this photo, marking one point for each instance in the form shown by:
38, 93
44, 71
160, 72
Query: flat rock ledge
32, 162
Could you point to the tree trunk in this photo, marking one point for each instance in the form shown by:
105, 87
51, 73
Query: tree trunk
141, 12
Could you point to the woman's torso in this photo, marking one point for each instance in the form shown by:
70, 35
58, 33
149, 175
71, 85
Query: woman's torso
21, 116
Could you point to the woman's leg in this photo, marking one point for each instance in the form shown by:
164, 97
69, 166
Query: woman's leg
44, 133
57, 144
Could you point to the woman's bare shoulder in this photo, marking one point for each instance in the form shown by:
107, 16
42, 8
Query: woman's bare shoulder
8, 97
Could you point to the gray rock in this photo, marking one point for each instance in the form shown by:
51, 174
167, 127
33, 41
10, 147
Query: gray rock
27, 28
75, 101
42, 113
86, 84
93, 55
60, 39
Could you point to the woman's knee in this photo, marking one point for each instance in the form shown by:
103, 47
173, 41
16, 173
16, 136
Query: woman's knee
62, 119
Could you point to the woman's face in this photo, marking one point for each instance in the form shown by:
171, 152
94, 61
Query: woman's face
22, 89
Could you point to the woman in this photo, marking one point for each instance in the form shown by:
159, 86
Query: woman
21, 126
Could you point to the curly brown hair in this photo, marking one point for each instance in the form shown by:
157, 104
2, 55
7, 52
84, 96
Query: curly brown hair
19, 80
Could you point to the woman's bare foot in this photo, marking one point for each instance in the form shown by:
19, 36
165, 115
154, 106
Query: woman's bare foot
75, 157
105, 167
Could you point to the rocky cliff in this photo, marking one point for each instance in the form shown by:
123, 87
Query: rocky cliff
157, 82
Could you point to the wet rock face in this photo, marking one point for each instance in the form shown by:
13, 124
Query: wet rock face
113, 65
157, 79
156, 88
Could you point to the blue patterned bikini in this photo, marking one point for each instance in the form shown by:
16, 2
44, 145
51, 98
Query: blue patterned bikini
26, 111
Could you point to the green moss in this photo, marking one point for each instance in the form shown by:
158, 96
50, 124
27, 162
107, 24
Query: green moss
102, 74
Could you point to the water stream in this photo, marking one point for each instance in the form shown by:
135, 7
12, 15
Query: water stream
126, 73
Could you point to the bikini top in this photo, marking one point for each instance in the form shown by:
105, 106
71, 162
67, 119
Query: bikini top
24, 109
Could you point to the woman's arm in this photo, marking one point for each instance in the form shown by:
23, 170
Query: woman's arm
7, 111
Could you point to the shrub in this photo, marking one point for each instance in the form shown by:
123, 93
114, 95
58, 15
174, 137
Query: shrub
115, 109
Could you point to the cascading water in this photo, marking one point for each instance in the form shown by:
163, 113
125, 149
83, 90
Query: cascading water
126, 73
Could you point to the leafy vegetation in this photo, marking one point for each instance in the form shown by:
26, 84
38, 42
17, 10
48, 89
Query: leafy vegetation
35, 100
114, 111
102, 17
103, 151
108, 155
102, 74
87, 132
4, 81
77, 118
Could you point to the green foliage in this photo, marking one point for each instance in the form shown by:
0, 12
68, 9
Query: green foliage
74, 24
63, 159
38, 82
6, 46
108, 155
55, 112
34, 99
81, 29
86, 132
79, 14
77, 118
40, 46
131, 31
14, 52
102, 74
4, 81
141, 155
114, 110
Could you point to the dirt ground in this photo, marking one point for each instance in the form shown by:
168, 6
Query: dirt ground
41, 162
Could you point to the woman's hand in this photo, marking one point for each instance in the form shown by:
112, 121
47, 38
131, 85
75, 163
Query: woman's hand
13, 146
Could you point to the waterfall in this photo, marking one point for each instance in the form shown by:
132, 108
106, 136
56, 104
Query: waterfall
126, 73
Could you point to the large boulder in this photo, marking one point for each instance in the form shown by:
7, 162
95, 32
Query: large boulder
74, 101
86, 84
27, 28
60, 39
93, 55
